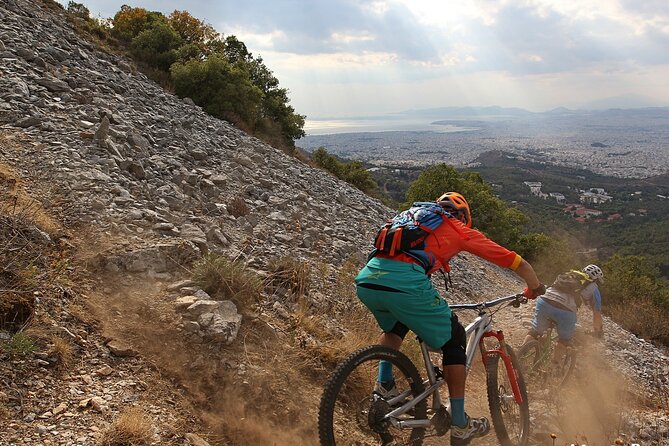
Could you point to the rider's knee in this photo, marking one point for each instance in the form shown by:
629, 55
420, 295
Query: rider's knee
399, 329
454, 349
533, 333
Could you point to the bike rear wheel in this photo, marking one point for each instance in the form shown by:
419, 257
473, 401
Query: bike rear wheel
350, 414
510, 419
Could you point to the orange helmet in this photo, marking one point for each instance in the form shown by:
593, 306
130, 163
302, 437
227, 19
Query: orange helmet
455, 203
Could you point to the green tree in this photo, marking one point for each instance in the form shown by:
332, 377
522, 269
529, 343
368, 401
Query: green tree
128, 22
491, 215
276, 111
628, 278
78, 10
157, 46
222, 89
199, 39
355, 173
191, 29
326, 161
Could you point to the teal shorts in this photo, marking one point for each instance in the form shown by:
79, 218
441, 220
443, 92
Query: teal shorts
402, 292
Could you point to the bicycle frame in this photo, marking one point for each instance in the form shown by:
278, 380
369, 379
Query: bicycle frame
476, 332
545, 342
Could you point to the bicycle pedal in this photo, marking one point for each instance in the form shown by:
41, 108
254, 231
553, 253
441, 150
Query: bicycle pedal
386, 438
441, 421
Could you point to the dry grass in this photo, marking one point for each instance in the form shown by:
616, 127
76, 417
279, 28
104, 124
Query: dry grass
82, 314
28, 261
345, 284
63, 351
291, 274
14, 200
330, 347
130, 428
237, 207
5, 413
644, 318
222, 278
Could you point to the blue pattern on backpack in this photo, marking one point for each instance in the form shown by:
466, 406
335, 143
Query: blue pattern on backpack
416, 223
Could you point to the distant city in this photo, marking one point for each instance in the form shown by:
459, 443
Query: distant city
618, 142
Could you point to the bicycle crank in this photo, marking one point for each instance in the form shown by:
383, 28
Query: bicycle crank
377, 419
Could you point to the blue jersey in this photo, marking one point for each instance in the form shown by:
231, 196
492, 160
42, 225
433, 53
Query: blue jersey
591, 296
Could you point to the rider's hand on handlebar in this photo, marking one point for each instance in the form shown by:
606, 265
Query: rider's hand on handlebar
536, 292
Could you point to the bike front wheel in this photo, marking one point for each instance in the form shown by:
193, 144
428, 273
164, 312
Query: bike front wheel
350, 413
538, 368
510, 419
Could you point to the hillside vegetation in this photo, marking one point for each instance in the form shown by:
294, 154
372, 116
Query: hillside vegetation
190, 57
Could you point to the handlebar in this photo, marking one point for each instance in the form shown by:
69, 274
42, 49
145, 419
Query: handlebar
517, 298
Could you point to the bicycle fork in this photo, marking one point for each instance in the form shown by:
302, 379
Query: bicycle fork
511, 372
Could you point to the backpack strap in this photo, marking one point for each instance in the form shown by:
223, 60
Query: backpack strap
381, 238
397, 238
455, 227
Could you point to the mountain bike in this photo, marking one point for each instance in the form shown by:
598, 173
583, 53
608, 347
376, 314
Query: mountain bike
351, 414
536, 361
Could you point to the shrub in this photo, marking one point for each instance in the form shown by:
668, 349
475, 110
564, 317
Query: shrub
237, 207
19, 345
645, 318
292, 274
157, 46
219, 87
353, 172
62, 351
131, 428
222, 278
636, 297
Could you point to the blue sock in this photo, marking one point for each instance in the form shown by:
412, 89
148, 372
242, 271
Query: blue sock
458, 411
385, 371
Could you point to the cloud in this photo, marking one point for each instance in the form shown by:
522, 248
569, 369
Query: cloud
327, 27
538, 39
371, 54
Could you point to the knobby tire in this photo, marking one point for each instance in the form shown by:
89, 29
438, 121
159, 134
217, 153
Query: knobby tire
510, 420
536, 363
402, 366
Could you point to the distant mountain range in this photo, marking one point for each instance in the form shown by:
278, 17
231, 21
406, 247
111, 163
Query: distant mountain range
459, 112
598, 108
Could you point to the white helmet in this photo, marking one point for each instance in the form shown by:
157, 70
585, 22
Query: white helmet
594, 271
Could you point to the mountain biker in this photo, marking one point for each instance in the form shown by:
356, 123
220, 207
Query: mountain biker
559, 305
398, 291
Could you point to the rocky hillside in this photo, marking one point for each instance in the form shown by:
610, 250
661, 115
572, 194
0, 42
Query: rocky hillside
132, 185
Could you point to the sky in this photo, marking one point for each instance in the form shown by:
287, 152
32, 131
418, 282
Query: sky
351, 58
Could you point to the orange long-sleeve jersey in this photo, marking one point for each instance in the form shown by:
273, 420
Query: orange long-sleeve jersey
453, 236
